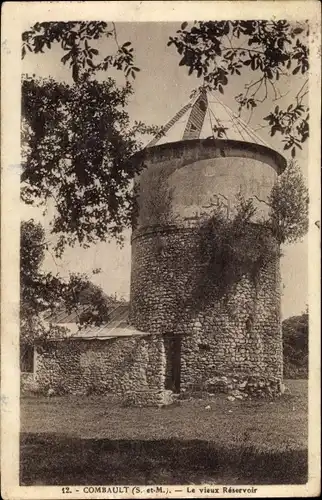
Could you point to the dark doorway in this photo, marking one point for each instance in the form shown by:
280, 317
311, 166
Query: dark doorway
173, 357
27, 358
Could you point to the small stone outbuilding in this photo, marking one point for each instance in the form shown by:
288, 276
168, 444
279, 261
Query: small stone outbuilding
112, 359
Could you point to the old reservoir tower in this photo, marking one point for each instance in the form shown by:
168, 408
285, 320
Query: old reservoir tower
227, 335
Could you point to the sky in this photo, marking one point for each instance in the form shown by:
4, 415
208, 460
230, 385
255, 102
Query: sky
162, 87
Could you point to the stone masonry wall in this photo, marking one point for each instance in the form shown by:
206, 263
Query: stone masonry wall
118, 366
230, 335
27, 383
237, 337
235, 334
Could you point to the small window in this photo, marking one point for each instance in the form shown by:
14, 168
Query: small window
27, 359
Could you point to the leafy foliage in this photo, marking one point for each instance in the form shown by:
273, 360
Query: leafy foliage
289, 203
78, 143
284, 121
295, 346
77, 40
234, 245
271, 50
77, 139
219, 131
38, 291
43, 293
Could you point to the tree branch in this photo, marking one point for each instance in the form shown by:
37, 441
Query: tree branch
272, 84
262, 201
244, 50
115, 35
297, 97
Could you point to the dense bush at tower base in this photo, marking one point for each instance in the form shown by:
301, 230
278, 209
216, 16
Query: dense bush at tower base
295, 346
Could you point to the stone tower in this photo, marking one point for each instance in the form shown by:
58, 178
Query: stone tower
213, 336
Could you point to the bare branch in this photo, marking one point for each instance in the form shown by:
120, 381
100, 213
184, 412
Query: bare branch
273, 86
52, 256
281, 96
262, 201
298, 96
250, 85
250, 115
261, 127
229, 40
115, 35
244, 49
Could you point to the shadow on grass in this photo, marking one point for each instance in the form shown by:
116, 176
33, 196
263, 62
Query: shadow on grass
50, 459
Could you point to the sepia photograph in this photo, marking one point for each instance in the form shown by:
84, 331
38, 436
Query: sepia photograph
164, 333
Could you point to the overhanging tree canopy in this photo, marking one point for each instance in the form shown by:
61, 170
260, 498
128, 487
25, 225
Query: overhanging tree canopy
265, 52
78, 139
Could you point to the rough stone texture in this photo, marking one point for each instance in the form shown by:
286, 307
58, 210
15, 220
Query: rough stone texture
148, 398
234, 332
28, 383
203, 336
237, 333
118, 366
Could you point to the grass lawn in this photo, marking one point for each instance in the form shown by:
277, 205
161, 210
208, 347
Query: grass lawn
95, 440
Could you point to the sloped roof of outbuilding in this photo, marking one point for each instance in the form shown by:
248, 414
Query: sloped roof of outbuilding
116, 326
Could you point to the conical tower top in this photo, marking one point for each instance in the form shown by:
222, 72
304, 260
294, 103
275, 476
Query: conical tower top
206, 116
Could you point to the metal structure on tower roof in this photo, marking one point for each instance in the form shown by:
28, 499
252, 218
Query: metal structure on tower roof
205, 116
